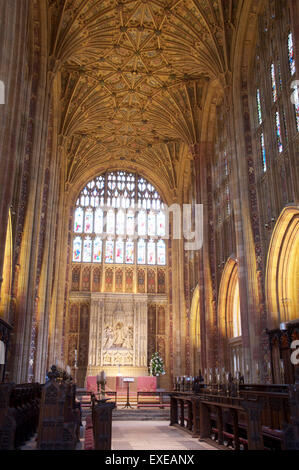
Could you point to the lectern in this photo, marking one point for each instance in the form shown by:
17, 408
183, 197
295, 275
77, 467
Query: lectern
128, 380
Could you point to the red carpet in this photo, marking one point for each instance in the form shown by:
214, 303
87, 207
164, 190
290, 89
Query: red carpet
89, 442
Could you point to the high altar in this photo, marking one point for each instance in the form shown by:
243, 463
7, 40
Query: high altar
118, 335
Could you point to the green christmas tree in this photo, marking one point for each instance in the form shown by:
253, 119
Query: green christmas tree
157, 365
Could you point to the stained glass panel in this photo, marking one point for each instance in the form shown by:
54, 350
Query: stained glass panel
142, 223
97, 250
151, 224
77, 250
119, 252
88, 223
161, 253
151, 252
161, 224
263, 150
87, 250
109, 256
278, 133
99, 221
79, 214
141, 252
274, 87
291, 54
259, 106
296, 105
111, 222
120, 222
130, 223
130, 252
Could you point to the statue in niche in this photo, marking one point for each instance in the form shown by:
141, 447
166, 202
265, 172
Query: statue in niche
128, 334
108, 338
118, 335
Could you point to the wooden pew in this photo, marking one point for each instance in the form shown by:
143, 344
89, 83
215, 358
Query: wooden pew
253, 420
291, 429
7, 418
19, 410
102, 423
59, 419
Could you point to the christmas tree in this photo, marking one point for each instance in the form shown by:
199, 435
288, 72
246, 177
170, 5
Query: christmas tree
157, 365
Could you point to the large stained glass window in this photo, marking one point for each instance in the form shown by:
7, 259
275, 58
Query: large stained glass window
278, 132
274, 87
263, 153
119, 219
297, 108
292, 65
291, 54
259, 106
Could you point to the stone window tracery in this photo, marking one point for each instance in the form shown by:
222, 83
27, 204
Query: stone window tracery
119, 219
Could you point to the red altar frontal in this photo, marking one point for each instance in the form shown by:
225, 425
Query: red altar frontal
117, 384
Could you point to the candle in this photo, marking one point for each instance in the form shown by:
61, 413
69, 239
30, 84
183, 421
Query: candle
76, 352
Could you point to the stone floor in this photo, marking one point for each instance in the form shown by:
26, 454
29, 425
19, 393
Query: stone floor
155, 435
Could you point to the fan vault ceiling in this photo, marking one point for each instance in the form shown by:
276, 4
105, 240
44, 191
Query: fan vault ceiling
134, 76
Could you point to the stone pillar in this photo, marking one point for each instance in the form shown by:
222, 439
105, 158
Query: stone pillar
202, 152
13, 62
248, 237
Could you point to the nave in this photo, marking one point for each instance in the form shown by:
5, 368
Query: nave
149, 220
152, 435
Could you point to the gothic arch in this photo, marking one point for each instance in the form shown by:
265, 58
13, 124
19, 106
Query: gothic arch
195, 332
282, 274
229, 316
7, 273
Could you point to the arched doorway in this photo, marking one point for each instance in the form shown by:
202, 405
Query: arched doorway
7, 274
282, 292
195, 333
282, 276
230, 318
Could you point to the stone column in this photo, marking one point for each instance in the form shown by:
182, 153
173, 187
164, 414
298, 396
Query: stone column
13, 63
202, 152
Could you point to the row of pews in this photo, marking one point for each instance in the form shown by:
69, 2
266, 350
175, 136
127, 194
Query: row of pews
19, 414
51, 415
249, 417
